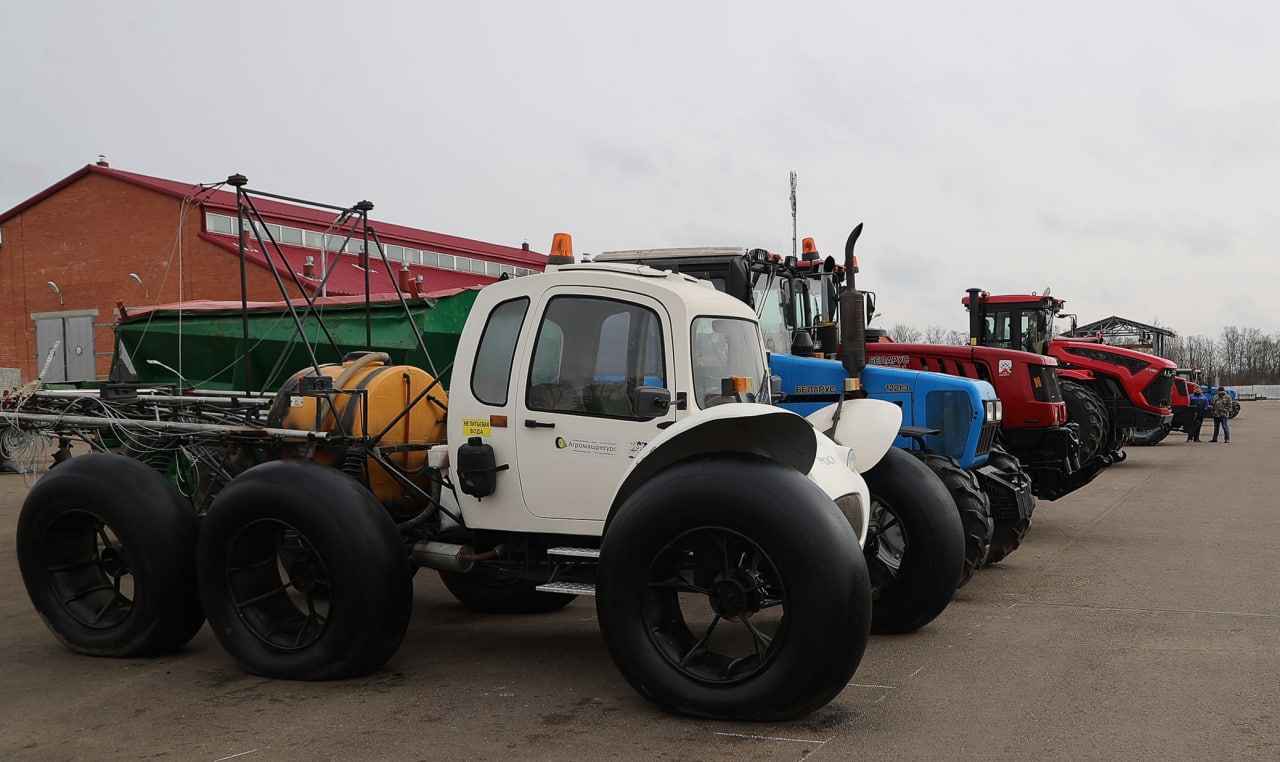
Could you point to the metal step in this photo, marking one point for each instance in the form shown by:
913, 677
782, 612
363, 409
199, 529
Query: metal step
572, 588
574, 552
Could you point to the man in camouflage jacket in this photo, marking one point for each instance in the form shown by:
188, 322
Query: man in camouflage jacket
1220, 409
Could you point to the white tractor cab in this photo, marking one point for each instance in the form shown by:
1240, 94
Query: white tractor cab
606, 373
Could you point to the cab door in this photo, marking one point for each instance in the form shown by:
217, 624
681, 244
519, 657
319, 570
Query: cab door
578, 426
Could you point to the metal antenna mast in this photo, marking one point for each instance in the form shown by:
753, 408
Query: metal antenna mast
793, 214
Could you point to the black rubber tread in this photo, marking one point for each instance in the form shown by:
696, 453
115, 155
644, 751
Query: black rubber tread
1085, 408
810, 566
1008, 533
510, 595
972, 505
908, 498
86, 526
354, 571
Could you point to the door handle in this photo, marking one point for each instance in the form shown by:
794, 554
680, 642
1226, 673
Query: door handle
529, 423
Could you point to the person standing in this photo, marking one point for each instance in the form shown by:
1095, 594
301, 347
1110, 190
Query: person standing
1220, 409
1198, 405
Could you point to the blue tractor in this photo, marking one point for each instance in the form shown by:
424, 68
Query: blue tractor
949, 423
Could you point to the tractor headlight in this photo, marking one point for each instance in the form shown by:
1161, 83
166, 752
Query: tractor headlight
994, 410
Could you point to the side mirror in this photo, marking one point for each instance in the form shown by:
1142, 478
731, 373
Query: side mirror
801, 344
651, 401
775, 389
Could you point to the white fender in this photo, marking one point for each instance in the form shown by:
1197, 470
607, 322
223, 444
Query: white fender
867, 426
763, 430
833, 470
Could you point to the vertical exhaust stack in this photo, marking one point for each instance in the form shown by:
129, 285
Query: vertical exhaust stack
853, 321
976, 323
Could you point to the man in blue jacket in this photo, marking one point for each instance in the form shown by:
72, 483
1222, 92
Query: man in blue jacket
1199, 406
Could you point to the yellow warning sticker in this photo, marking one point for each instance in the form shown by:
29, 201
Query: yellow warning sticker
476, 427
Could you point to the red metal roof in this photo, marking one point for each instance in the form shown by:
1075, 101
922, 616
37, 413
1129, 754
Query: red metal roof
347, 277
212, 198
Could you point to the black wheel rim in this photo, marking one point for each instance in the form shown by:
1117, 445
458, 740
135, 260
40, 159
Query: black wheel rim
279, 584
90, 570
890, 546
714, 605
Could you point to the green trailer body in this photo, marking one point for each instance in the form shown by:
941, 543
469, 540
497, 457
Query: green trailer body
204, 341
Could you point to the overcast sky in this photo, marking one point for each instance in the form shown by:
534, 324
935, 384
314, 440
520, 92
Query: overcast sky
1124, 153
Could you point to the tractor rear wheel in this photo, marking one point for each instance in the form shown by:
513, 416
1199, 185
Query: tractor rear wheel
303, 573
1085, 408
916, 554
971, 503
733, 588
1010, 530
106, 549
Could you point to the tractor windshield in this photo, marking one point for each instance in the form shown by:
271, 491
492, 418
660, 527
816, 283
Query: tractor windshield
724, 349
1017, 327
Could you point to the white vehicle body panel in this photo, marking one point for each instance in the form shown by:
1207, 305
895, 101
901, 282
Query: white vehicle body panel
867, 427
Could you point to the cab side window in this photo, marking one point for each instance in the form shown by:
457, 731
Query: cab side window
592, 354
491, 374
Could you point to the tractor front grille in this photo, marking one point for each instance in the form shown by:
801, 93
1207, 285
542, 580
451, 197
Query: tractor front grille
1159, 393
987, 438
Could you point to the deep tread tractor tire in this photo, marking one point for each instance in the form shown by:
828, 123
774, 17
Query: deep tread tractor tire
918, 558
508, 595
733, 588
1008, 532
1085, 408
972, 505
303, 574
106, 549
1235, 409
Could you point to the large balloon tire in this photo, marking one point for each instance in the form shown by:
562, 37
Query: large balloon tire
972, 504
1086, 409
1009, 532
303, 573
502, 595
106, 547
918, 558
769, 545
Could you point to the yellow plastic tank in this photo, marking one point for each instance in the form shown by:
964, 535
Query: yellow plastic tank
389, 391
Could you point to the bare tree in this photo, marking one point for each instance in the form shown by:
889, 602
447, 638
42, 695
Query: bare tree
935, 334
906, 334
1230, 354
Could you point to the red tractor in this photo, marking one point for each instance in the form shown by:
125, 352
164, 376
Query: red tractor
1111, 392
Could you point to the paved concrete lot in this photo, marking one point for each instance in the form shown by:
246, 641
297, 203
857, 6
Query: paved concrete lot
1140, 620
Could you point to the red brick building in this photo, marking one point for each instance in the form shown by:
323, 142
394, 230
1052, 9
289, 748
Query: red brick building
102, 237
